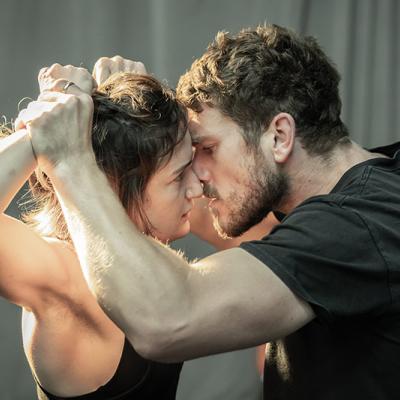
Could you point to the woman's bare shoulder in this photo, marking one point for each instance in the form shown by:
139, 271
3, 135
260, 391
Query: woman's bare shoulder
70, 329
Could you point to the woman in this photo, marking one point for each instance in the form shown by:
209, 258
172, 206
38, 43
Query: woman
74, 350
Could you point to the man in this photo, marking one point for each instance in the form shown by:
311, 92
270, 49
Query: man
323, 287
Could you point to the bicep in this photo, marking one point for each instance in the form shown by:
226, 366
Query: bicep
28, 264
239, 302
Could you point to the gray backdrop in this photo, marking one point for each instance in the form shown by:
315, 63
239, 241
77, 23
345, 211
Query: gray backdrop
361, 36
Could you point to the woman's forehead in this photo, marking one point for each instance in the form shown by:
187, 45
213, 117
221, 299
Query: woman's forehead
180, 158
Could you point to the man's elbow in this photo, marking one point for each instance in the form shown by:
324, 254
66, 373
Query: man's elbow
161, 344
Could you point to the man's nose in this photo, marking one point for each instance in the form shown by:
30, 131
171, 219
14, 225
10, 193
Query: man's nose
200, 169
195, 188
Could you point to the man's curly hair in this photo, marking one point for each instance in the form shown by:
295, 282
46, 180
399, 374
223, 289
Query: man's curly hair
260, 72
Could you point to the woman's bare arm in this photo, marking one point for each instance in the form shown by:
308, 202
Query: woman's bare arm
25, 258
17, 162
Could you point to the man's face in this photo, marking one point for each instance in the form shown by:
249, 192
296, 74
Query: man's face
243, 184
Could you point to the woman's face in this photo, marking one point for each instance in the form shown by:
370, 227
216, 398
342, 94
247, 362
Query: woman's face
169, 194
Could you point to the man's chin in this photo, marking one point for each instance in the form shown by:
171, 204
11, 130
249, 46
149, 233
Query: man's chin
223, 221
225, 228
219, 225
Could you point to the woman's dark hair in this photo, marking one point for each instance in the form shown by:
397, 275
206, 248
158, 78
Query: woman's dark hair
137, 123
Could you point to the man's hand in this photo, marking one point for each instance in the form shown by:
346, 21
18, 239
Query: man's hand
60, 127
105, 67
49, 78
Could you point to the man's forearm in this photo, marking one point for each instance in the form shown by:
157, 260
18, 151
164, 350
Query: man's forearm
138, 282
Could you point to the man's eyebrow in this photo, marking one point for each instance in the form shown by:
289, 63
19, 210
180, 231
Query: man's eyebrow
197, 139
182, 168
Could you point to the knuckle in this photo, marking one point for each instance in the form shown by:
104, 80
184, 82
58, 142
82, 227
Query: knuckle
82, 71
71, 100
54, 67
34, 123
101, 61
57, 85
140, 66
87, 100
21, 115
42, 71
31, 105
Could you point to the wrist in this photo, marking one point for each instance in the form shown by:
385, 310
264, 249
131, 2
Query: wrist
74, 167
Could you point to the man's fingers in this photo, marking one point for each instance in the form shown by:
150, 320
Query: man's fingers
105, 67
34, 110
75, 94
51, 96
61, 87
93, 81
42, 73
25, 116
101, 73
101, 70
19, 124
136, 67
54, 78
117, 64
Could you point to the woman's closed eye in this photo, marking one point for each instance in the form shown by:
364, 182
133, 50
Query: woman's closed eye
180, 177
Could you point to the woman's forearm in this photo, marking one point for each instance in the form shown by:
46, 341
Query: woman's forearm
17, 162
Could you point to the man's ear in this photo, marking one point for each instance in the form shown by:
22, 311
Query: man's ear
283, 129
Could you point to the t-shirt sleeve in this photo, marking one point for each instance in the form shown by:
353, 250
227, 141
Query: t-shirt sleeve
326, 255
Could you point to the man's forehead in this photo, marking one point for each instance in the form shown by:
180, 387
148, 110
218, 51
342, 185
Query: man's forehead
203, 126
196, 130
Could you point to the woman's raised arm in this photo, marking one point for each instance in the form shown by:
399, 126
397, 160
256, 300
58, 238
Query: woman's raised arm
17, 162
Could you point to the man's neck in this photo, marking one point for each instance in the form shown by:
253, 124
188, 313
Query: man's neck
317, 175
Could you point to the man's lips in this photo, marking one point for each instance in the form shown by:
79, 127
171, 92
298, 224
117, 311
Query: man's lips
186, 214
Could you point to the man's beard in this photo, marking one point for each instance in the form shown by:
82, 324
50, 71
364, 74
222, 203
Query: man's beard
263, 194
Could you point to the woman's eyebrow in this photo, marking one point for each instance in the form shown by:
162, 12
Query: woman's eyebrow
181, 168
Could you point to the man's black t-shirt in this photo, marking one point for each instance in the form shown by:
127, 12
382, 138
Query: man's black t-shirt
341, 253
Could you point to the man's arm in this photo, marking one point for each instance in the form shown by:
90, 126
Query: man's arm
170, 310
